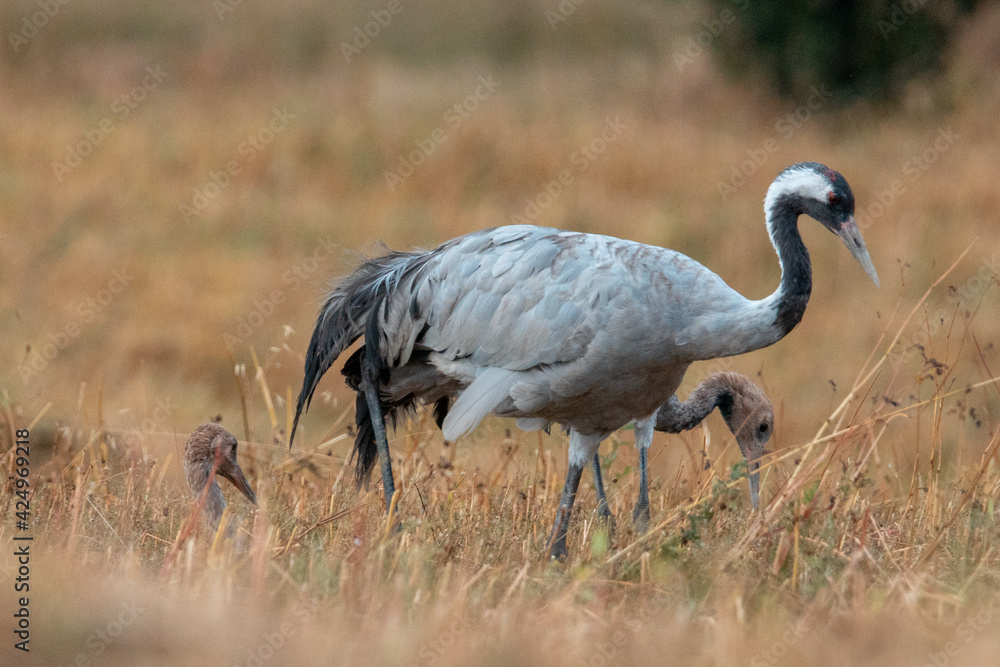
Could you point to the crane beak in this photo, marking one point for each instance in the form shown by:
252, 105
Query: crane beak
235, 475
751, 454
851, 237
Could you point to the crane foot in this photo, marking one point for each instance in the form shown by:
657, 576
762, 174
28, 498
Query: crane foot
640, 515
606, 518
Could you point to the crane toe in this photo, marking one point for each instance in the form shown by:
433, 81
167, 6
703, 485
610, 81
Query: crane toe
640, 516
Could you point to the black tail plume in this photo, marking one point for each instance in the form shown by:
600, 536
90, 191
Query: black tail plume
345, 314
365, 447
441, 410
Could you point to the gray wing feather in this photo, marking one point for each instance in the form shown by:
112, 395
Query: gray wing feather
533, 423
518, 302
489, 389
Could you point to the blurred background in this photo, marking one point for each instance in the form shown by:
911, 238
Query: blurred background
180, 182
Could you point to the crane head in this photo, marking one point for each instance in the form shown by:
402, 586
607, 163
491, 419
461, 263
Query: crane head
229, 467
824, 195
750, 416
213, 446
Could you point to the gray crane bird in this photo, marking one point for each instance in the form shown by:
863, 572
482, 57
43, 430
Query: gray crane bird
211, 452
746, 410
550, 326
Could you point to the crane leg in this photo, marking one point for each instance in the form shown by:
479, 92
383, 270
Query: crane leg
582, 449
603, 512
378, 426
370, 371
643, 439
557, 540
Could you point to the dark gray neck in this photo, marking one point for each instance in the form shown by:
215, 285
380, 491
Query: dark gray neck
676, 415
756, 324
796, 270
215, 504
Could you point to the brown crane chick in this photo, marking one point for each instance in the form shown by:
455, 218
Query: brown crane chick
211, 451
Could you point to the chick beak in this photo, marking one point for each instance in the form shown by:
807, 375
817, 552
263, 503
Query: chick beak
754, 469
851, 236
231, 471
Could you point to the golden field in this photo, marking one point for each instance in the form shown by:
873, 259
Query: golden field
180, 184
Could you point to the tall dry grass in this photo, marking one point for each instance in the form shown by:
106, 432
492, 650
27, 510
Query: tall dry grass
857, 554
876, 537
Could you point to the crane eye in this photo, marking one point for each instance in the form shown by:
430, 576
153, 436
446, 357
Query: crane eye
835, 199
763, 428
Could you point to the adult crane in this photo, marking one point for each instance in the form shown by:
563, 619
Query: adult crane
583, 330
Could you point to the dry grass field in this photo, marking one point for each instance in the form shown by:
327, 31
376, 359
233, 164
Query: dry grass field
180, 182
